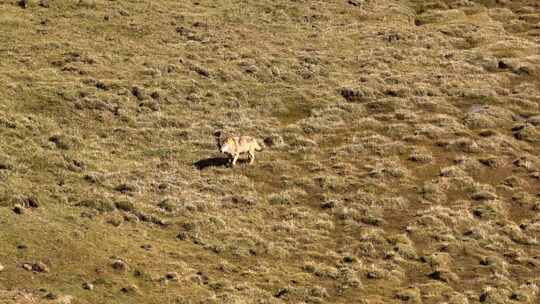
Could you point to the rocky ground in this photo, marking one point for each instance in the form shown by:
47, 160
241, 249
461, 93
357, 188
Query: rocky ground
401, 160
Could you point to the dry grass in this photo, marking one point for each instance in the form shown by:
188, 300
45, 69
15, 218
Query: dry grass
400, 160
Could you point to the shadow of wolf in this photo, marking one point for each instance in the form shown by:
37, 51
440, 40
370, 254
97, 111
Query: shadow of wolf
216, 162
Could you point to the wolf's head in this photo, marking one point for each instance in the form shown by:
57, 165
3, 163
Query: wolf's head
217, 136
227, 145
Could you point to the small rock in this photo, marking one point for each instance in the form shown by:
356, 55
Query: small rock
119, 265
173, 276
274, 141
203, 276
40, 267
201, 71
23, 3
149, 218
125, 188
512, 65
373, 275
518, 127
411, 295
102, 85
163, 281
518, 296
349, 259
483, 296
444, 276
88, 286
355, 2
123, 12
60, 141
354, 94
487, 133
137, 92
329, 205
91, 178
51, 296
489, 162
182, 236
1, 267
44, 3
130, 289
27, 266
281, 292
146, 246
5, 165
138, 273
522, 70
152, 105
526, 133
18, 209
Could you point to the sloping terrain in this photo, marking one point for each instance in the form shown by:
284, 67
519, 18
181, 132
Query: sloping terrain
401, 160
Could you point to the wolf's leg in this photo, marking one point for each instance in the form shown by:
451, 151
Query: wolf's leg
251, 157
234, 159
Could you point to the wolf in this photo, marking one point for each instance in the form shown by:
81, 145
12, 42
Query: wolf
233, 146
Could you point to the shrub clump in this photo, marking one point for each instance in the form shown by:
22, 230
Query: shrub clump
97, 204
125, 205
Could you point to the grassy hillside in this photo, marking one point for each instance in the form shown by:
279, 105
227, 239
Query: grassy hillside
401, 161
